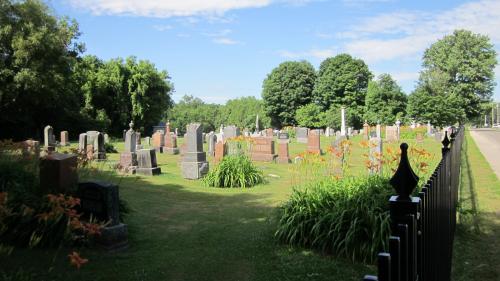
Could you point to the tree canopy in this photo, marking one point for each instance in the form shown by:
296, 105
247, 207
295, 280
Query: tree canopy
38, 52
288, 87
459, 68
385, 101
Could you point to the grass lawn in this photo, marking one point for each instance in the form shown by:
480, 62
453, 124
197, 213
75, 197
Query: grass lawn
181, 230
477, 242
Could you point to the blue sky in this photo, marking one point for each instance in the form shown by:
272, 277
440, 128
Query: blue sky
222, 49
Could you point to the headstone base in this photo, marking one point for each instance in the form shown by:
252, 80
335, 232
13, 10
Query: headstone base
283, 160
194, 170
113, 238
171, 150
149, 171
263, 157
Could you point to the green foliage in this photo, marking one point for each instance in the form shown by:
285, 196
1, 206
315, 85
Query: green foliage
110, 148
385, 101
38, 53
347, 217
460, 68
234, 171
190, 109
343, 80
310, 116
242, 112
288, 87
430, 102
117, 91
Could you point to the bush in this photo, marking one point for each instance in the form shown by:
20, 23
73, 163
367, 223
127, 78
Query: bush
347, 217
110, 148
234, 171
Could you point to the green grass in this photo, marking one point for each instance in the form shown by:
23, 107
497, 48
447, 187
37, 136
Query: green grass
477, 242
181, 230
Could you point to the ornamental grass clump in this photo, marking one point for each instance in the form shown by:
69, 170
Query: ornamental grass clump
347, 217
234, 171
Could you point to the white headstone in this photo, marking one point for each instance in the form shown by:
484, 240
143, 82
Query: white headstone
342, 126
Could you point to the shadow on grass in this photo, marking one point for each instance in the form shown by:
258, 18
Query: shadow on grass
477, 241
178, 232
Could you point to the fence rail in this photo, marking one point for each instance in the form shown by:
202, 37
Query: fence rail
423, 225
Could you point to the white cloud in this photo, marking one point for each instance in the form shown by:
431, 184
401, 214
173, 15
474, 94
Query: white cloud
225, 41
168, 8
212, 9
311, 53
405, 76
406, 34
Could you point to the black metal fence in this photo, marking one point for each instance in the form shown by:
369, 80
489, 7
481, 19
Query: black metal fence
423, 226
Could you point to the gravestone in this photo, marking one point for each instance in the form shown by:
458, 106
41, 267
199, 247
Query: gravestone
102, 201
429, 128
138, 138
391, 133
128, 159
375, 155
301, 134
338, 141
220, 150
82, 143
31, 148
246, 132
343, 131
269, 132
378, 131
49, 139
170, 141
398, 127
313, 142
366, 131
194, 163
147, 141
231, 131
212, 138
349, 131
146, 160
58, 173
327, 132
106, 138
337, 134
158, 141
64, 138
283, 154
262, 149
373, 135
96, 139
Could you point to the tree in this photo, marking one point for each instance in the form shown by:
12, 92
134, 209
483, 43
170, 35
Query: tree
311, 116
117, 91
149, 92
37, 55
343, 80
465, 64
190, 109
431, 101
243, 111
288, 87
385, 101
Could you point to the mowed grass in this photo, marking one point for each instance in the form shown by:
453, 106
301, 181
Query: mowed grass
181, 230
477, 242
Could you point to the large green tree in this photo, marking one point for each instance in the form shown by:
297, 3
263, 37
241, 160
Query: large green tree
288, 87
37, 55
463, 63
117, 91
242, 112
343, 80
311, 116
190, 109
385, 101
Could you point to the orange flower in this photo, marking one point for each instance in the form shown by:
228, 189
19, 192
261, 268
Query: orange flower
92, 229
76, 260
75, 224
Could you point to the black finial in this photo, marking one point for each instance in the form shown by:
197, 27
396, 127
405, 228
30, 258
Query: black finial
404, 180
453, 133
446, 141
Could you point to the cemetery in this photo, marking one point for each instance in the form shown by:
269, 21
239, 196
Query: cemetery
330, 172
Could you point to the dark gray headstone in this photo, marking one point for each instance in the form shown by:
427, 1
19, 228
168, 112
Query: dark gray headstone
301, 134
146, 159
194, 164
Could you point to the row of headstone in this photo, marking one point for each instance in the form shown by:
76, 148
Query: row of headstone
91, 143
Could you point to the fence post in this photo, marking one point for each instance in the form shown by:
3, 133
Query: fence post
404, 211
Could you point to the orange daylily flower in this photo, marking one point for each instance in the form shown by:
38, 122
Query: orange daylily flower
76, 260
